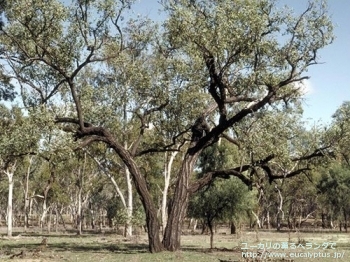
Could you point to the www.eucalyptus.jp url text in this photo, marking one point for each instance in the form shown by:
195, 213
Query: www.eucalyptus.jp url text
316, 255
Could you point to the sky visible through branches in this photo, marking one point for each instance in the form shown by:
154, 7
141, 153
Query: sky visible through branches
329, 84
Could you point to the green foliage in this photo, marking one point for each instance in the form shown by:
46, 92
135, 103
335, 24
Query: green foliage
19, 134
236, 34
213, 158
339, 133
334, 189
222, 201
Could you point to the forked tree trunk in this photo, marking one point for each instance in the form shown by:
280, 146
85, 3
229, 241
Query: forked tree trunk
45, 194
172, 234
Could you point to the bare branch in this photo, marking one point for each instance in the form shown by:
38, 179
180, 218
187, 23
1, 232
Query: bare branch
231, 140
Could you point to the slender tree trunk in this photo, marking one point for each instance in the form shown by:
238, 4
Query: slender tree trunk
258, 222
50, 220
62, 219
233, 228
129, 210
31, 200
46, 191
210, 226
79, 212
79, 200
323, 219
345, 220
10, 170
172, 234
56, 219
26, 198
119, 192
100, 222
43, 215
280, 210
128, 226
92, 214
9, 204
106, 172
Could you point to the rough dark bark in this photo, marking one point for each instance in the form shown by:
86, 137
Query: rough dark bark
152, 222
99, 134
233, 228
178, 209
210, 226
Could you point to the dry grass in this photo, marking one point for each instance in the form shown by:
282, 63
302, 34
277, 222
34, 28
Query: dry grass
111, 247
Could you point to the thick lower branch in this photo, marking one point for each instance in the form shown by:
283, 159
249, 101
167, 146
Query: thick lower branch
210, 176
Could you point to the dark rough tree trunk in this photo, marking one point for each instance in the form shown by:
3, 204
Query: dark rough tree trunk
204, 228
233, 228
345, 220
152, 222
210, 226
323, 218
178, 209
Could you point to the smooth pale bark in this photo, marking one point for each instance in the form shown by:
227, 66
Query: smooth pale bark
9, 204
26, 198
10, 172
279, 210
111, 178
258, 222
46, 191
79, 222
129, 210
167, 175
44, 213
81, 172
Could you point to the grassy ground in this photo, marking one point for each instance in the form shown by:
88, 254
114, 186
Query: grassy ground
111, 247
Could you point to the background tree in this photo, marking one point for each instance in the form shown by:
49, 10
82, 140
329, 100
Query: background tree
19, 137
220, 202
334, 190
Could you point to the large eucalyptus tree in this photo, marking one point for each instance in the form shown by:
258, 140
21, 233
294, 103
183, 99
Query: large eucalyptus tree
210, 67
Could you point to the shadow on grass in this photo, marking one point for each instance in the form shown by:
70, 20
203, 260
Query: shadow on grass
197, 249
65, 234
127, 248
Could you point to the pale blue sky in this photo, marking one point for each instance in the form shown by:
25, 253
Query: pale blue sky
330, 81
